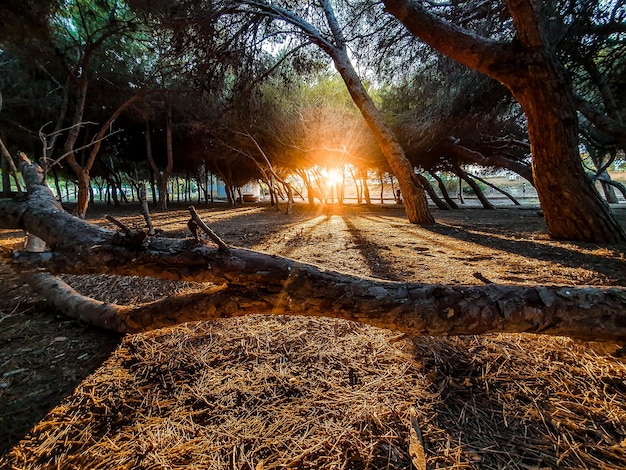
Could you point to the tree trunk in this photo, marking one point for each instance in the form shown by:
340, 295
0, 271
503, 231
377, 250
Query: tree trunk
208, 186
310, 191
253, 282
145, 210
366, 189
83, 176
415, 203
572, 208
472, 184
82, 203
357, 184
114, 191
444, 191
433, 195
8, 169
57, 185
609, 191
161, 177
6, 177
615, 184
153, 188
500, 190
82, 170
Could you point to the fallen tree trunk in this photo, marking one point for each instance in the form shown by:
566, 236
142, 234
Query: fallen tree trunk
246, 281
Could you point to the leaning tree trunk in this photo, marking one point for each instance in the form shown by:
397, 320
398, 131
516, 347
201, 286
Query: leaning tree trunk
444, 190
500, 190
441, 204
472, 184
528, 67
8, 169
415, 202
609, 192
247, 282
620, 187
572, 207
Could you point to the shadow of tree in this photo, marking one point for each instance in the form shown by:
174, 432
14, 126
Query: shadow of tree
35, 347
575, 255
372, 253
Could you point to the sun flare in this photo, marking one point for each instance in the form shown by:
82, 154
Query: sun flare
333, 176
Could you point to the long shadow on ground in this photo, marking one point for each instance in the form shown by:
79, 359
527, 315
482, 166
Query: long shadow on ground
372, 254
571, 257
43, 357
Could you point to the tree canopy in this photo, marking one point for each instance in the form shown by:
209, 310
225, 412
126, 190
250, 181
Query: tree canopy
248, 85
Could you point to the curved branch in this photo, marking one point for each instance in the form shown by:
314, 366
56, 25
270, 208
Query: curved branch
602, 121
500, 190
469, 49
525, 171
255, 282
282, 14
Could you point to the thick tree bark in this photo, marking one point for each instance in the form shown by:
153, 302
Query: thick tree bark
572, 208
571, 205
253, 282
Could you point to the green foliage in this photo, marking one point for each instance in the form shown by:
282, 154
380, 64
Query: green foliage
222, 64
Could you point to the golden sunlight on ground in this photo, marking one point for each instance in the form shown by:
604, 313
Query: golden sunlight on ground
286, 392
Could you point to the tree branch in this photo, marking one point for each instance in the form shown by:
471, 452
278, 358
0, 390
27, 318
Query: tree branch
255, 282
469, 49
206, 229
473, 156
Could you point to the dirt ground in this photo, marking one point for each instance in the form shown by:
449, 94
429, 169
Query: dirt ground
287, 392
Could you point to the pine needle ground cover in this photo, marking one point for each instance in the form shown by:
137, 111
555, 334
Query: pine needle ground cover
290, 392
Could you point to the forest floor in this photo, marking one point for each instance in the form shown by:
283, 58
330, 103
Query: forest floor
265, 392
